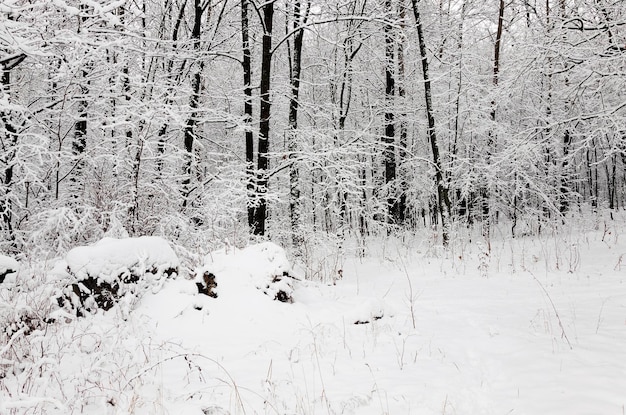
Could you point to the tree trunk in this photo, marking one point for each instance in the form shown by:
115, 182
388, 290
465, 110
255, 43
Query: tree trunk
443, 199
79, 144
496, 55
403, 133
564, 186
6, 205
389, 137
485, 191
196, 83
341, 97
593, 196
260, 208
464, 210
247, 109
611, 180
295, 60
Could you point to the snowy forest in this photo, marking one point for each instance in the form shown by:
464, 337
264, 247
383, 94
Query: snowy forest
285, 119
220, 207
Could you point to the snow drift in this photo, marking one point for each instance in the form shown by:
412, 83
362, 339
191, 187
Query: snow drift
100, 275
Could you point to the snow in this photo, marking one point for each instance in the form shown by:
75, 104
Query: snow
8, 268
70, 10
257, 267
111, 257
8, 263
536, 326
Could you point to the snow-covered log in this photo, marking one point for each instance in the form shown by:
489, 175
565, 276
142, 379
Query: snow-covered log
102, 273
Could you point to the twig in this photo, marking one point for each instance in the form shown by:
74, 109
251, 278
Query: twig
10, 342
600, 314
412, 298
556, 313
186, 356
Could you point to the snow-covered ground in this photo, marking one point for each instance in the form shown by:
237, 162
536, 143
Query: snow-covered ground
536, 326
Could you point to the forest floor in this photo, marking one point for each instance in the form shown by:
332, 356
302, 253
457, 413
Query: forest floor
535, 325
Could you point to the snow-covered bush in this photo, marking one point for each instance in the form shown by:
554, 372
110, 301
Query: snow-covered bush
271, 271
264, 266
54, 231
100, 275
8, 266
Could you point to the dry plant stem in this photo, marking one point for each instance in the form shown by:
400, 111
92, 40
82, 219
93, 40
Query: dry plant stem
600, 314
618, 266
186, 356
412, 298
375, 389
319, 370
556, 313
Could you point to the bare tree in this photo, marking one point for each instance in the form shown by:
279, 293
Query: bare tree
9, 141
443, 200
199, 7
79, 143
247, 109
263, 143
390, 126
299, 19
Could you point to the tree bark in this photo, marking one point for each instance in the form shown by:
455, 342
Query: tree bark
485, 191
295, 60
260, 208
196, 83
341, 97
401, 210
443, 199
247, 109
6, 205
389, 137
79, 144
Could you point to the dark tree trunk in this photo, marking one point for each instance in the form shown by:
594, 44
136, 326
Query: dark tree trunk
247, 109
484, 191
79, 144
463, 210
403, 135
389, 137
591, 165
443, 199
196, 83
134, 209
260, 211
341, 96
564, 188
496, 55
9, 144
295, 204
6, 205
611, 179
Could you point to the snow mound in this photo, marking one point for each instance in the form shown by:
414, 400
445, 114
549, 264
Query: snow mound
264, 267
110, 257
102, 274
365, 311
8, 267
